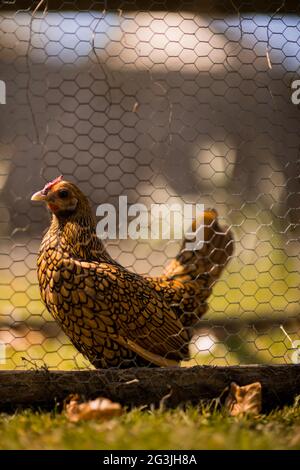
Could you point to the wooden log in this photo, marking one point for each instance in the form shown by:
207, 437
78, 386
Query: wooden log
142, 386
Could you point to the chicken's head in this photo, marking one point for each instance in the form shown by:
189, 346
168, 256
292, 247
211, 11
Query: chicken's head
62, 197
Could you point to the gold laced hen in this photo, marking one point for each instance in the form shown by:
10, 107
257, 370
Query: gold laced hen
114, 317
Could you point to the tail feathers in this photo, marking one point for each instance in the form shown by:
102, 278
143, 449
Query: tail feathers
192, 274
210, 259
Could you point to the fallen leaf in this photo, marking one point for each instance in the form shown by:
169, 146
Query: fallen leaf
295, 440
244, 400
98, 409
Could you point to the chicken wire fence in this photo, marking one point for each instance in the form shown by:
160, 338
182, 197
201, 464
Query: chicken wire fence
160, 106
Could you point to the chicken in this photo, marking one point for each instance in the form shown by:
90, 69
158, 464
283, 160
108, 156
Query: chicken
114, 317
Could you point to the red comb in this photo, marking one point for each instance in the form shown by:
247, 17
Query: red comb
52, 183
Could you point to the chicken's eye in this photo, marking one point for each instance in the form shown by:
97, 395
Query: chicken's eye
63, 193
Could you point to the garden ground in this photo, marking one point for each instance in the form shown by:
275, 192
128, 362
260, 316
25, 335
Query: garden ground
195, 428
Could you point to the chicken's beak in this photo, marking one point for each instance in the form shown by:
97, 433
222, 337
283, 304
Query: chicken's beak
39, 196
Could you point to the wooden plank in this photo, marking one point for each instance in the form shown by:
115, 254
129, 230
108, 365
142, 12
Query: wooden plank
142, 386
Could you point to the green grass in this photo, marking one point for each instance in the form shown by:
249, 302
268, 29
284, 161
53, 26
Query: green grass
195, 428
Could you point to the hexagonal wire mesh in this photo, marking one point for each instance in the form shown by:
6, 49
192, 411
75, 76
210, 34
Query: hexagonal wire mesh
163, 107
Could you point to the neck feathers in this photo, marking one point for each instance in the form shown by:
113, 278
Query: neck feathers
76, 236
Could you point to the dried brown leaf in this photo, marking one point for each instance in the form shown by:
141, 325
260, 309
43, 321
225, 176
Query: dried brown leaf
98, 409
244, 400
